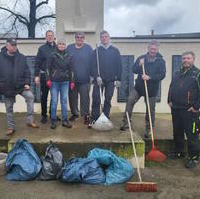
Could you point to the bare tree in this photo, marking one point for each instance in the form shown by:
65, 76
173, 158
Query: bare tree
26, 13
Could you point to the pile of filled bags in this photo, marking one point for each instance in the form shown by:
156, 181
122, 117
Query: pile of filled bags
100, 167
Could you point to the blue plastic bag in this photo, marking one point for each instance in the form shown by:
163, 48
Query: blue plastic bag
22, 162
83, 170
118, 169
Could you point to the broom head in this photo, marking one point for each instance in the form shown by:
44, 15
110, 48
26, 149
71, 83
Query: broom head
155, 155
141, 187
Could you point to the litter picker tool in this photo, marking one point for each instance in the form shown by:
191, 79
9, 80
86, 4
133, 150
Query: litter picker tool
138, 186
102, 123
154, 154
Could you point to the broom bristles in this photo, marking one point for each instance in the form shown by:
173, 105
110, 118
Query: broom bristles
156, 156
141, 187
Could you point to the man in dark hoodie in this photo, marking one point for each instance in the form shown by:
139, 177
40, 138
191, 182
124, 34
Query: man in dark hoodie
15, 79
184, 101
43, 54
155, 70
106, 76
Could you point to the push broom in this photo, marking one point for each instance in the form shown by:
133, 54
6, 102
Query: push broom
138, 186
154, 154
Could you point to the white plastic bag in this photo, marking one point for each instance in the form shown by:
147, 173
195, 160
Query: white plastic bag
103, 123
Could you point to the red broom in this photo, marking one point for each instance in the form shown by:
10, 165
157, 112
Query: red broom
154, 154
138, 186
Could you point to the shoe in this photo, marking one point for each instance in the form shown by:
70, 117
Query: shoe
10, 132
124, 126
73, 118
192, 162
91, 123
53, 124
176, 155
43, 120
87, 120
147, 136
66, 124
58, 119
32, 125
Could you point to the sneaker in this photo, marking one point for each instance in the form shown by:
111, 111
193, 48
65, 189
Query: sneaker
43, 120
147, 136
53, 124
124, 126
87, 120
192, 162
73, 118
66, 124
10, 132
176, 155
91, 123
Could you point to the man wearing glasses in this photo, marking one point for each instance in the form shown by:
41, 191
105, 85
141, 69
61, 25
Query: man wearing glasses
81, 54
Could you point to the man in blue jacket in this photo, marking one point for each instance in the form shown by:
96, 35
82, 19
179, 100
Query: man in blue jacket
108, 74
81, 58
155, 70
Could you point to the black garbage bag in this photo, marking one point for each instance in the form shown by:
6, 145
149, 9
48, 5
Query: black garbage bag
52, 163
83, 170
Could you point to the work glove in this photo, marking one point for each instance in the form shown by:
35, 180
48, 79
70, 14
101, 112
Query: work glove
72, 85
117, 84
99, 81
49, 83
91, 79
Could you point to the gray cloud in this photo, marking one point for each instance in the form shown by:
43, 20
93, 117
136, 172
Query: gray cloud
164, 16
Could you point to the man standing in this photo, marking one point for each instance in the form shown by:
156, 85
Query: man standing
155, 70
43, 54
184, 101
15, 79
106, 76
81, 55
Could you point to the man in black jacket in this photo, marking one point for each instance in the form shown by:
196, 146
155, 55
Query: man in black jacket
184, 101
15, 79
155, 70
43, 54
108, 74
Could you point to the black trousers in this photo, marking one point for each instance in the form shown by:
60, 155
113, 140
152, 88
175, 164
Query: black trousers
44, 95
185, 122
108, 89
83, 90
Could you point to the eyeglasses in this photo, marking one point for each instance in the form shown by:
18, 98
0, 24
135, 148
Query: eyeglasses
79, 37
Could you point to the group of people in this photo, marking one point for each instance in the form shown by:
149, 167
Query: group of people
70, 70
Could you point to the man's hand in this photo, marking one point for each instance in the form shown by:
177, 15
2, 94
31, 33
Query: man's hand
72, 85
99, 81
170, 104
27, 87
145, 77
141, 62
117, 84
37, 80
49, 83
191, 109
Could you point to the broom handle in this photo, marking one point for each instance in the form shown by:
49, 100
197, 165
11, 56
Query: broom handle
134, 149
148, 106
98, 71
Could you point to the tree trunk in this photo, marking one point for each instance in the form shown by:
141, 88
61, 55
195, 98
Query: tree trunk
32, 19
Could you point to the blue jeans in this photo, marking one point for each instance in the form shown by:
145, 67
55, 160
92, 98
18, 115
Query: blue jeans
62, 88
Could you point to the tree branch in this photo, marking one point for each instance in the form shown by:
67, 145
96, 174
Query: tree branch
45, 16
41, 3
21, 18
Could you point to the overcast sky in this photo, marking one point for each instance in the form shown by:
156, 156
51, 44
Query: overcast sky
121, 17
